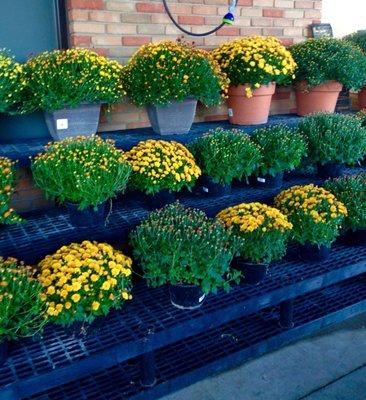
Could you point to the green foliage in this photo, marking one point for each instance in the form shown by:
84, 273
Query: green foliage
333, 138
159, 73
351, 191
21, 309
83, 170
328, 59
358, 38
225, 155
282, 148
70, 77
181, 245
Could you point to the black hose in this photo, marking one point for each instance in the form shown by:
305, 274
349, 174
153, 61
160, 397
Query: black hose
184, 30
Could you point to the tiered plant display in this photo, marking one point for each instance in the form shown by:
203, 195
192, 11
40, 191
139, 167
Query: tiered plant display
82, 281
351, 191
224, 155
316, 216
182, 247
7, 214
282, 150
254, 65
334, 140
22, 312
161, 168
324, 66
168, 78
70, 86
83, 172
262, 233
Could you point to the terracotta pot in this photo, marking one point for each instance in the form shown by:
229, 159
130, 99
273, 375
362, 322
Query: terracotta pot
250, 111
319, 98
362, 99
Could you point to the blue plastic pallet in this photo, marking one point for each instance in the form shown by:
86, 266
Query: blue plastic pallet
218, 349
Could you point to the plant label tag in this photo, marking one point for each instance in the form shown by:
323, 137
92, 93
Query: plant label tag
62, 124
200, 300
205, 189
262, 180
230, 112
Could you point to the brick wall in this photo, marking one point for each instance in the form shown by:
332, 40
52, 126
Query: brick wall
116, 28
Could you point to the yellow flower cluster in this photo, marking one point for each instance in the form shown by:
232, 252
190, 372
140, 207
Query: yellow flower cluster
255, 61
249, 217
159, 164
84, 280
311, 200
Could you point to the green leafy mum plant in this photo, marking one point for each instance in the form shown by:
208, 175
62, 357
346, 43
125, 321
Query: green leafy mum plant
225, 155
358, 38
351, 191
70, 77
315, 213
7, 214
181, 245
22, 312
159, 73
84, 170
282, 149
333, 138
262, 231
329, 59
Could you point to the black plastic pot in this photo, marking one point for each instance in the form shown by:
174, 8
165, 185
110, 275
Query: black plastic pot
269, 181
356, 238
209, 187
313, 252
253, 273
186, 297
330, 170
88, 217
159, 200
3, 351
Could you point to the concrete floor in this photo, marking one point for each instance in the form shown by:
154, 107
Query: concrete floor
328, 366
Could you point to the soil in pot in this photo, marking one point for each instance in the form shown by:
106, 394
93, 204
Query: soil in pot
211, 188
160, 199
253, 273
356, 238
269, 181
317, 99
3, 351
250, 111
186, 297
313, 252
330, 170
88, 217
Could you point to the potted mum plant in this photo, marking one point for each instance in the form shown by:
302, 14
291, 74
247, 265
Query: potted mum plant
224, 155
182, 247
316, 216
22, 313
168, 78
359, 39
161, 168
351, 191
98, 279
70, 86
282, 150
254, 65
324, 66
7, 214
83, 172
262, 233
333, 141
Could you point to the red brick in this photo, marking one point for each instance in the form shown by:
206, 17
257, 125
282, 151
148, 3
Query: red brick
135, 40
205, 10
101, 51
281, 95
287, 41
218, 117
272, 13
149, 7
86, 4
141, 124
191, 20
78, 15
80, 40
304, 4
228, 31
245, 3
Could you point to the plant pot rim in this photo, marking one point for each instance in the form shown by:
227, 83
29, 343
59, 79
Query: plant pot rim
171, 102
249, 262
327, 86
263, 90
68, 107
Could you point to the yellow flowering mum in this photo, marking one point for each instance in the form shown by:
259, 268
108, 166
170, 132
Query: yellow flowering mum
78, 282
159, 164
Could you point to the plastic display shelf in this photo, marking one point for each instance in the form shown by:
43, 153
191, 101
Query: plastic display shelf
126, 139
150, 322
218, 349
